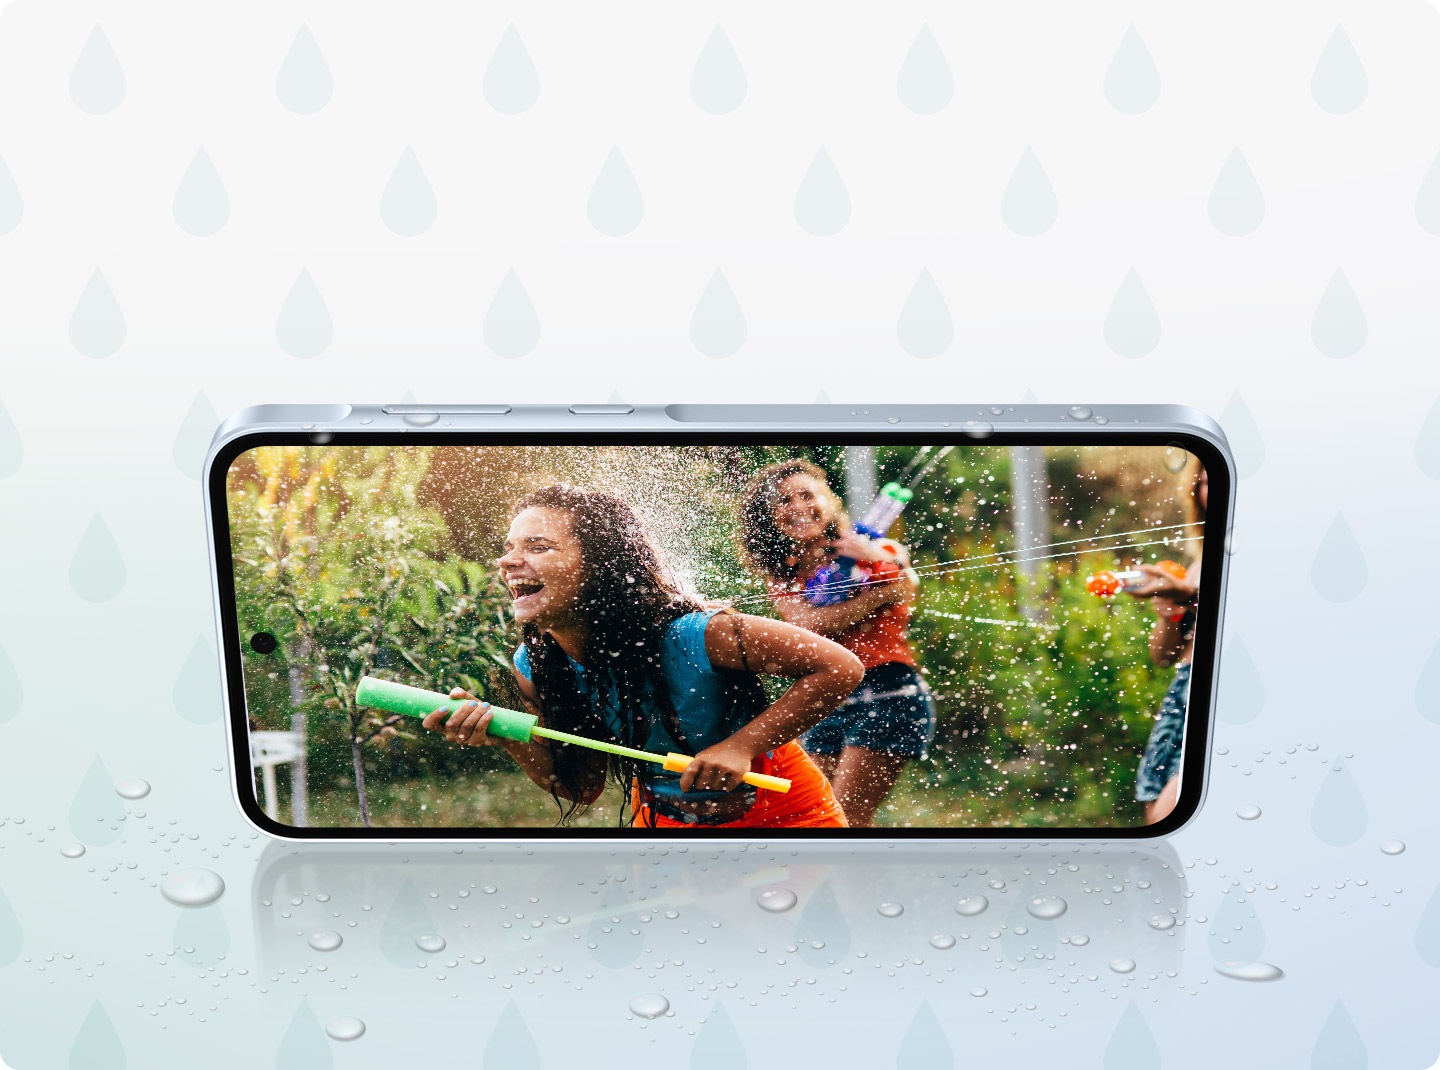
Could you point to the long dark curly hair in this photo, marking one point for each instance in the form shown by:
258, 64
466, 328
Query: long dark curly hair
628, 598
765, 546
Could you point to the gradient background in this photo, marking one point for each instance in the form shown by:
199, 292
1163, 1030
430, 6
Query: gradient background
1234, 208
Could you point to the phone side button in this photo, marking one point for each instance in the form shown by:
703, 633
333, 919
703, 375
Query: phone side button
602, 410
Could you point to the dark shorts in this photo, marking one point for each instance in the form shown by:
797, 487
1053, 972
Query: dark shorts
1162, 753
891, 711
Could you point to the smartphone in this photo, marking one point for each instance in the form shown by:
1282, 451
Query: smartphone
735, 622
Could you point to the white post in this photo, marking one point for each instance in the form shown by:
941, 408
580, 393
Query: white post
860, 479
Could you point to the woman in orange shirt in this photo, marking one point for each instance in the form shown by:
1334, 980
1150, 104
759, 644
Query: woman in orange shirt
792, 524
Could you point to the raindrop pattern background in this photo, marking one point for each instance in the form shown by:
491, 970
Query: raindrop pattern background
1083, 211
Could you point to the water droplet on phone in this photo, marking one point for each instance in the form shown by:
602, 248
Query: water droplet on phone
192, 887
943, 941
776, 900
325, 940
1392, 847
717, 84
649, 1006
1122, 965
1046, 907
72, 850
512, 84
971, 905
1080, 412
1249, 971
430, 942
890, 909
345, 1029
977, 991
1248, 813
1079, 940
132, 788
420, 419
303, 83
1162, 922
977, 429
997, 884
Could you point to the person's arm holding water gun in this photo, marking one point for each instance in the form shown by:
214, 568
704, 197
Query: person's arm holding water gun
1172, 597
884, 589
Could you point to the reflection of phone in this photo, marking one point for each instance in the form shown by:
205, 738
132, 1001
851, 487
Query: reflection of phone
652, 602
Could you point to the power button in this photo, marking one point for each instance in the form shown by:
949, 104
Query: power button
602, 410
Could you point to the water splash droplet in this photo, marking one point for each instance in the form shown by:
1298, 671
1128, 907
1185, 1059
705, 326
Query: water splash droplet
72, 850
1132, 84
345, 1029
1339, 572
97, 1046
718, 1046
1248, 812
1339, 84
1244, 435
512, 329
649, 1006
1046, 907
96, 812
1339, 816
1392, 847
971, 905
1122, 965
1339, 1046
192, 441
97, 84
1029, 207
512, 84
12, 694
1249, 971
889, 909
408, 206
615, 206
303, 327
97, 571
776, 900
822, 203
717, 84
1242, 692
97, 326
1339, 328
511, 1046
202, 936
822, 921
1427, 199
197, 687
192, 887
430, 943
1132, 327
12, 205
406, 919
325, 940
942, 941
1132, 1046
925, 328
925, 84
201, 204
718, 326
925, 1046
303, 84
11, 938
1236, 204
132, 788
303, 1046
1237, 932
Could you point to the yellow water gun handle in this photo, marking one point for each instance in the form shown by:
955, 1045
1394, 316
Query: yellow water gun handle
676, 763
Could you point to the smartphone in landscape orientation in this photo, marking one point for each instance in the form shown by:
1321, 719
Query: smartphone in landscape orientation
820, 622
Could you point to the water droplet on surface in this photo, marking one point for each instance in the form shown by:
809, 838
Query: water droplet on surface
345, 1029
1242, 693
1132, 1046
822, 203
132, 788
977, 992
717, 84
429, 942
1161, 922
718, 328
1236, 204
303, 327
971, 905
303, 1046
890, 910
925, 1046
1079, 939
97, 326
977, 428
420, 419
1339, 328
303, 83
776, 900
96, 1043
512, 1045
1392, 847
1132, 84
1046, 907
925, 328
1339, 1045
408, 206
512, 84
1339, 84
1080, 412
615, 206
1248, 813
192, 887
97, 83
1132, 326
201, 206
943, 941
1244, 435
512, 328
649, 1006
925, 84
325, 940
1122, 965
1249, 971
1338, 572
1029, 207
72, 850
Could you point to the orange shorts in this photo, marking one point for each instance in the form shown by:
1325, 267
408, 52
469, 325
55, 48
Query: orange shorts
809, 804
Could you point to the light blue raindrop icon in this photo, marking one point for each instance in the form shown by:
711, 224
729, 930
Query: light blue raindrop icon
1132, 1046
406, 919
1339, 1046
1236, 205
718, 326
1237, 935
1029, 207
511, 1045
1427, 688
12, 450
96, 811
201, 204
97, 571
192, 441
12, 205
1427, 199
201, 936
925, 327
925, 1046
615, 206
1339, 572
925, 84
512, 84
620, 946
97, 84
1339, 84
304, 1047
718, 1045
1338, 327
512, 329
1427, 933
97, 1045
12, 939
1244, 435
197, 688
1339, 816
822, 203
1242, 692
97, 326
717, 84
12, 694
304, 84
822, 921
1132, 84
1427, 443
1132, 326
408, 207
303, 327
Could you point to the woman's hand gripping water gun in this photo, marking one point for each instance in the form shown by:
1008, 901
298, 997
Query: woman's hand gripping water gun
1167, 583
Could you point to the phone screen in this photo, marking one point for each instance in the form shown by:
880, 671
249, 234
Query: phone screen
751, 637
